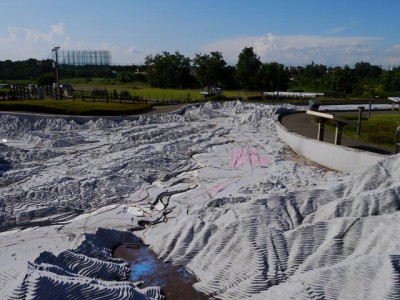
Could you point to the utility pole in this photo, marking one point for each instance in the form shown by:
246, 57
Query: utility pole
55, 49
277, 84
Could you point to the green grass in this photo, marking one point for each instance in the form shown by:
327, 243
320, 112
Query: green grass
69, 107
165, 94
141, 90
378, 129
184, 94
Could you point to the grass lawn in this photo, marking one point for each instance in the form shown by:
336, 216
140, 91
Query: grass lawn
184, 94
189, 95
69, 107
143, 90
148, 92
379, 129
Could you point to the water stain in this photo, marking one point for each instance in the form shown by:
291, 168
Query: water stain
175, 281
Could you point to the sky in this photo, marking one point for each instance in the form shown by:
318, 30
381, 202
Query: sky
290, 32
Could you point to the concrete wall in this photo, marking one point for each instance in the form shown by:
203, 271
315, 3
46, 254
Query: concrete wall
332, 156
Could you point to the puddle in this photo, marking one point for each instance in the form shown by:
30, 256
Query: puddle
175, 281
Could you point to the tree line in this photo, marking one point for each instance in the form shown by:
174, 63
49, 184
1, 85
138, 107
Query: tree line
174, 70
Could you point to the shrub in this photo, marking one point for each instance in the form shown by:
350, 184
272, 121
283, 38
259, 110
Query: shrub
125, 94
100, 93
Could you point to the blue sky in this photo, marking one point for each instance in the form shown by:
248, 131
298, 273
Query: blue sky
291, 32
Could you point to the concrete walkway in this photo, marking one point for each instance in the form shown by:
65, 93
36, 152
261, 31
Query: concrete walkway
304, 124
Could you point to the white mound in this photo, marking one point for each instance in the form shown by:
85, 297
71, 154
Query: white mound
216, 190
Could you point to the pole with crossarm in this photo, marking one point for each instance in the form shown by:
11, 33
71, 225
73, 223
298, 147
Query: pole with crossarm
55, 49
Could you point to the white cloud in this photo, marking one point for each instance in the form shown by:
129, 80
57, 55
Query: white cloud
327, 50
336, 30
230, 48
58, 29
332, 50
33, 36
392, 55
395, 49
22, 43
303, 49
12, 35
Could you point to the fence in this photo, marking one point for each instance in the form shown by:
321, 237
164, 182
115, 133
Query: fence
121, 97
31, 92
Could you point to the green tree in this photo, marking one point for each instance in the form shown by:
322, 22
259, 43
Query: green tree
366, 70
125, 77
248, 69
340, 81
310, 78
169, 70
274, 77
315, 71
46, 79
368, 80
228, 80
209, 68
346, 81
391, 80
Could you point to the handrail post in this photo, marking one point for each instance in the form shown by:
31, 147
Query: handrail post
360, 111
338, 133
321, 129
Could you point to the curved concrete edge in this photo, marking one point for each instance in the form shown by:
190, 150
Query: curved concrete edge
331, 156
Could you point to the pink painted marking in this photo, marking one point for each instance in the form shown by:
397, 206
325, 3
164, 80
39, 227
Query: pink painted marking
240, 156
256, 158
216, 189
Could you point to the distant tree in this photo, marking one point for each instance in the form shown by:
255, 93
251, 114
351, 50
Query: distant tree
209, 68
341, 81
346, 80
169, 70
391, 80
366, 70
19, 70
87, 71
125, 77
248, 69
312, 77
274, 76
46, 79
368, 80
229, 80
315, 71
